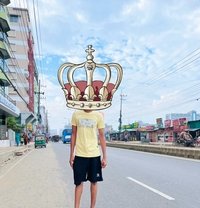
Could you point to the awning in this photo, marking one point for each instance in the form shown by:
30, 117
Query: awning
4, 50
3, 80
196, 129
27, 117
7, 107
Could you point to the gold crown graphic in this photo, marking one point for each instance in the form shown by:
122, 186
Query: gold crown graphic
89, 94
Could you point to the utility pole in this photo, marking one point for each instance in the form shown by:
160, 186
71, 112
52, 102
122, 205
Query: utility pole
39, 93
120, 112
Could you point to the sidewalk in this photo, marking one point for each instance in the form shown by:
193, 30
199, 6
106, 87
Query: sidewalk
38, 181
9, 153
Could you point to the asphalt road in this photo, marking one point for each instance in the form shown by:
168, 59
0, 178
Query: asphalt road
43, 179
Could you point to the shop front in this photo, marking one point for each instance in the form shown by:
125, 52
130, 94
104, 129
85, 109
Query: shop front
7, 108
194, 128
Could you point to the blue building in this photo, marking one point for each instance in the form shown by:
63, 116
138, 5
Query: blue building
190, 116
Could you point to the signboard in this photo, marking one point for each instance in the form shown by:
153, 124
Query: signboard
150, 128
159, 122
167, 123
9, 107
176, 125
134, 125
31, 87
175, 122
127, 126
183, 128
182, 121
142, 129
30, 126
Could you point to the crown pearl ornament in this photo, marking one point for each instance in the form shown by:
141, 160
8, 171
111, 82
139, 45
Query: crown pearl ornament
89, 94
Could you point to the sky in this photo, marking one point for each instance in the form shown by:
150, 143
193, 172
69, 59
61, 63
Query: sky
156, 42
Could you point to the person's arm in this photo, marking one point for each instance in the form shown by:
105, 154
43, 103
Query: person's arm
103, 147
72, 145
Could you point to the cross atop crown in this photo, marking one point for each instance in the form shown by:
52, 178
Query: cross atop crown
89, 94
90, 50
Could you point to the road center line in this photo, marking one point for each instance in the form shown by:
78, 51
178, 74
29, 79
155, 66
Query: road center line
151, 189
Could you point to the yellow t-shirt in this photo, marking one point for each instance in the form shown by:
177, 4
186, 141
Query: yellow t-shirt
87, 124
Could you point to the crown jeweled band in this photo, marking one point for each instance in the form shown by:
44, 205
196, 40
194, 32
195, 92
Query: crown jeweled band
89, 94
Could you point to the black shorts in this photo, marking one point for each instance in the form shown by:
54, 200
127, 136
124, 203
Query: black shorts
87, 169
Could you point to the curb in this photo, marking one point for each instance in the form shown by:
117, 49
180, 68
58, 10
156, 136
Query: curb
22, 151
185, 152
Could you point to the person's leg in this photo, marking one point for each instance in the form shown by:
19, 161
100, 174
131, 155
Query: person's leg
93, 191
94, 175
78, 193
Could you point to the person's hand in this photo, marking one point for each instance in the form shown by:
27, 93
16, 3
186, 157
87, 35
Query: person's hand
71, 161
103, 163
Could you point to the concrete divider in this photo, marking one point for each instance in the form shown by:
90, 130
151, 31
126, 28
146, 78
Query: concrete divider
187, 152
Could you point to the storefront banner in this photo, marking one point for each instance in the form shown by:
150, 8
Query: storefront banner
167, 123
149, 128
9, 107
183, 128
175, 122
159, 122
176, 128
182, 121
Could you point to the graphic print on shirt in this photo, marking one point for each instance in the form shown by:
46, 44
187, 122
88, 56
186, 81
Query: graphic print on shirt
87, 123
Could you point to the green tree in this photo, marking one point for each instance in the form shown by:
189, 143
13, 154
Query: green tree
12, 124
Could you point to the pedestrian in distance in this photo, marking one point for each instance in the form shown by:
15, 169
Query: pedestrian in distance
85, 155
25, 136
22, 138
17, 138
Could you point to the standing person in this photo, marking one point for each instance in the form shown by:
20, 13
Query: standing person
17, 138
85, 157
21, 138
25, 136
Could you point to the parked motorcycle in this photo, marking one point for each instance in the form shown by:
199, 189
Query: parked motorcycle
185, 143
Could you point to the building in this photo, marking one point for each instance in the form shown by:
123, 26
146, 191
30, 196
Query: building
22, 68
190, 116
194, 128
7, 104
44, 120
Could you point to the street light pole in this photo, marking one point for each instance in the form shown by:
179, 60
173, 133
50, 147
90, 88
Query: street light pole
120, 113
39, 93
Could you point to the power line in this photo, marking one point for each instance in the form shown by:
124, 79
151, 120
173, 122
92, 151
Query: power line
38, 35
182, 61
37, 32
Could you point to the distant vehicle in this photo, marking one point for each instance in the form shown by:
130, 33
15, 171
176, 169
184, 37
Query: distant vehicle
40, 140
66, 135
55, 138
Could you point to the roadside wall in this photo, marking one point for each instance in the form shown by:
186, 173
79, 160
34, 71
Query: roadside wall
160, 149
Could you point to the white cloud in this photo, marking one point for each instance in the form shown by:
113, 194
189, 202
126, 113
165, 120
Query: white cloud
134, 7
147, 37
81, 17
58, 114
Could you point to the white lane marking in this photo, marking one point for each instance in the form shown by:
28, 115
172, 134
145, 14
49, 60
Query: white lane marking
2, 176
151, 189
